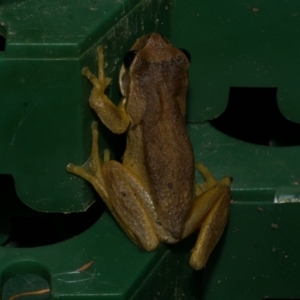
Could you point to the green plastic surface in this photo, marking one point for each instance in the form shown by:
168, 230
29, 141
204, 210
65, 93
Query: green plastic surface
45, 124
44, 111
239, 44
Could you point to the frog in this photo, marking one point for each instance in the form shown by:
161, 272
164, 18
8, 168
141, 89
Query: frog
152, 192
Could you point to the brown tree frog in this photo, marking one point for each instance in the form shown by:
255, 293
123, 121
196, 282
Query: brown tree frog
152, 193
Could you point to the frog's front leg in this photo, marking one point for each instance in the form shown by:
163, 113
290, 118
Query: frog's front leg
209, 213
113, 117
122, 192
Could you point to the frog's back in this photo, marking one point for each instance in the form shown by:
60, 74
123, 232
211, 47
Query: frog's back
169, 163
159, 79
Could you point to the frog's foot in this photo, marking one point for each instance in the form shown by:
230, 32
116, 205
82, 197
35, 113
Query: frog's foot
91, 170
209, 213
122, 192
101, 82
209, 179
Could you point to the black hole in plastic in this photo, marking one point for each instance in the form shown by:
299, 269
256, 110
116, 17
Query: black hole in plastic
2, 36
2, 43
252, 115
22, 227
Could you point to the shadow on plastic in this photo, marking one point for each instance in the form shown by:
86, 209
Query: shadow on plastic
20, 226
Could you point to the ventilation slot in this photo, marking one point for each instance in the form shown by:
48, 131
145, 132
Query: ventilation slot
2, 36
252, 115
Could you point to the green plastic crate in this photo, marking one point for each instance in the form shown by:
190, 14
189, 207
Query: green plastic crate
45, 124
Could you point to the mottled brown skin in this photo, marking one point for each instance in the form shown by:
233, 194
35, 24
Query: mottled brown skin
151, 194
167, 152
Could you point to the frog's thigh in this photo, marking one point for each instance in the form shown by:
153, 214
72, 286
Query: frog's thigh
126, 193
212, 224
203, 204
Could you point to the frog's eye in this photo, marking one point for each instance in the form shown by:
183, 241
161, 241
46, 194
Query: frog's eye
128, 58
186, 53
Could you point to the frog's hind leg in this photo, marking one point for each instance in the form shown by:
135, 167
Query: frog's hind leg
122, 192
209, 213
91, 171
128, 198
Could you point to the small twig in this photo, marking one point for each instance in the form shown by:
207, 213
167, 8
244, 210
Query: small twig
40, 292
85, 267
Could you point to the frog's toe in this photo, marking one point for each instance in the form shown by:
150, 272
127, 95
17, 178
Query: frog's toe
97, 83
227, 180
106, 156
70, 167
100, 50
77, 170
86, 72
94, 126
